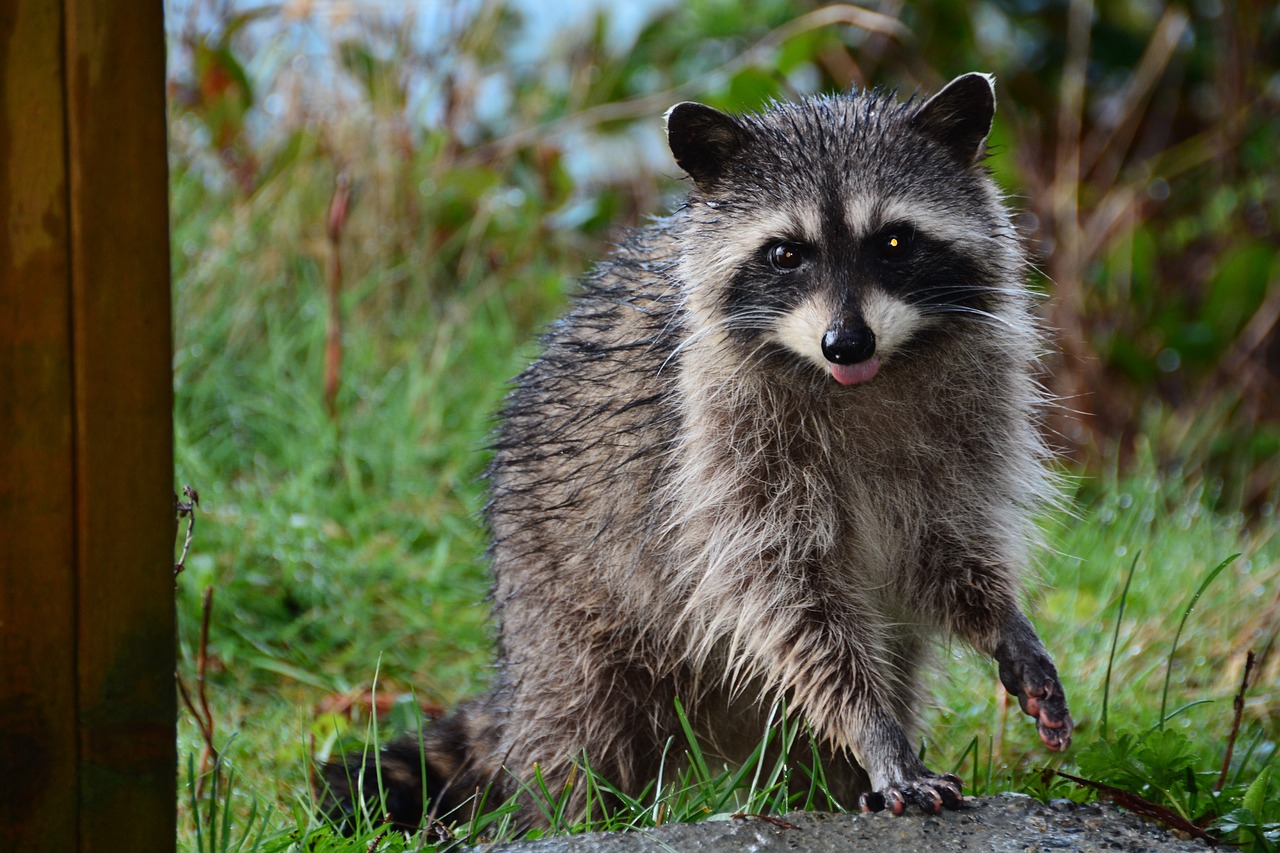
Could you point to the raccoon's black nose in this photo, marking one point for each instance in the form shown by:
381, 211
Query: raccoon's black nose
848, 346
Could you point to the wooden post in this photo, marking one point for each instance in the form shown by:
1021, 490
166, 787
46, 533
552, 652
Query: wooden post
87, 705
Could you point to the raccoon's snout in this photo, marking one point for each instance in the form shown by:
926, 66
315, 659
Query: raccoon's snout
851, 354
848, 346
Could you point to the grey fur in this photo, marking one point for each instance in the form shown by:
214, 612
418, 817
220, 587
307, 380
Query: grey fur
686, 503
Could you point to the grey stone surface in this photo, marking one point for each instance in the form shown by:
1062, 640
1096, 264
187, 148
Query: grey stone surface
1001, 824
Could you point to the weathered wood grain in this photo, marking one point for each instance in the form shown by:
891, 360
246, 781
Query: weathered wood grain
87, 702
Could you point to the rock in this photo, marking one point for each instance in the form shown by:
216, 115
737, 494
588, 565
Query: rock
1000, 824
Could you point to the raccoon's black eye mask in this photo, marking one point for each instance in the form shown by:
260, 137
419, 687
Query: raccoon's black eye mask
892, 243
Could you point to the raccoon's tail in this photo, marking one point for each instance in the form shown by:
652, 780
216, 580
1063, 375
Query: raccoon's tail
409, 782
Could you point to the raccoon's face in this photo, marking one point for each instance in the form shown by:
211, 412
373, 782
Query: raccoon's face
842, 233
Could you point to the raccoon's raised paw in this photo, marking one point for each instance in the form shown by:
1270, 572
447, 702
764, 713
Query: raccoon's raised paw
1034, 680
931, 794
1053, 720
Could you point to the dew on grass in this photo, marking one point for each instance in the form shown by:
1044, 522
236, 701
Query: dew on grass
1168, 360
201, 563
1215, 489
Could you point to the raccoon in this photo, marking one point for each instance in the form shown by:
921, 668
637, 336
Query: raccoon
783, 441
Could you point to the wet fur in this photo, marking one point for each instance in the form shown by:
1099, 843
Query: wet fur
685, 504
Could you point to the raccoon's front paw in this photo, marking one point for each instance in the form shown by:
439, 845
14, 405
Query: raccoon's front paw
1034, 680
931, 793
1048, 705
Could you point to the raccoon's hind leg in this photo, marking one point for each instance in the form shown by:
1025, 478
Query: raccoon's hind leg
612, 717
411, 780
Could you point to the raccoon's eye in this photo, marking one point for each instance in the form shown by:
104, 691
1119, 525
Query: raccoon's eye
896, 243
786, 256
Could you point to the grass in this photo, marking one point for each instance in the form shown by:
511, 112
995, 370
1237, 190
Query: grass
345, 550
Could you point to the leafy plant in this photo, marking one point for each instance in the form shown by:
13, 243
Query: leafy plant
1257, 820
1167, 776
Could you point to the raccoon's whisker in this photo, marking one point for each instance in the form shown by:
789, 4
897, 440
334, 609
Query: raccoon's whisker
996, 319
970, 290
688, 341
748, 360
759, 319
754, 320
957, 308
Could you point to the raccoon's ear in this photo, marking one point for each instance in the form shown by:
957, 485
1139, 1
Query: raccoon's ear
703, 141
959, 117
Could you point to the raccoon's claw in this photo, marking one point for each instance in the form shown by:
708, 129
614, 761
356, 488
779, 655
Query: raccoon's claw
931, 794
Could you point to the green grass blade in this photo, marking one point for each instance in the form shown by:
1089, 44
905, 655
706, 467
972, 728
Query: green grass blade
1186, 614
195, 802
1115, 639
1248, 756
695, 752
759, 757
225, 832
1159, 724
971, 748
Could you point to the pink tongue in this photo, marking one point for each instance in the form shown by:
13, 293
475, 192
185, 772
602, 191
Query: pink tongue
855, 374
